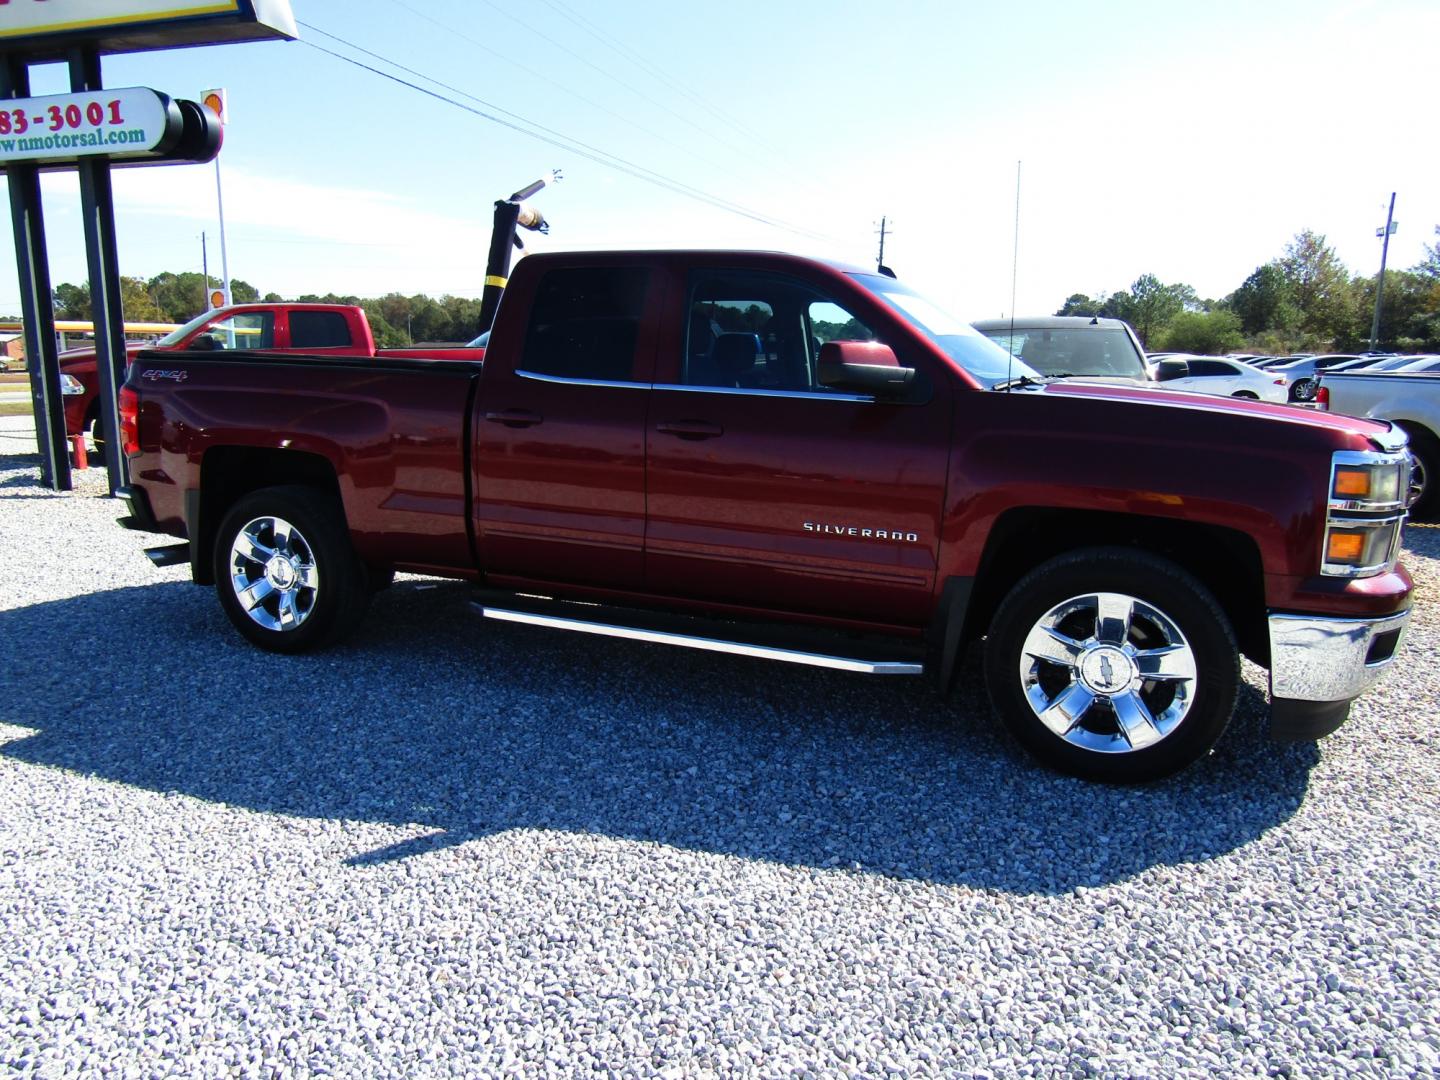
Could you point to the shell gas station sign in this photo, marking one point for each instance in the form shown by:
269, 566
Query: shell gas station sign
51, 26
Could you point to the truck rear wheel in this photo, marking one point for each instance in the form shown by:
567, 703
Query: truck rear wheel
285, 572
1112, 664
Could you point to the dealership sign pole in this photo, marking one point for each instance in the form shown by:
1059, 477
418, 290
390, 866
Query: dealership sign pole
36, 306
92, 130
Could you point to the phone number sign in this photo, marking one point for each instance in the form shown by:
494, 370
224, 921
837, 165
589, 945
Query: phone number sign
135, 122
40, 27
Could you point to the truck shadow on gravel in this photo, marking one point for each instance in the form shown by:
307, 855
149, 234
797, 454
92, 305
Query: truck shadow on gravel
433, 717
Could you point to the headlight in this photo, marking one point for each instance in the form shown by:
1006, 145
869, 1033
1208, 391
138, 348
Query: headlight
1370, 483
71, 386
1359, 541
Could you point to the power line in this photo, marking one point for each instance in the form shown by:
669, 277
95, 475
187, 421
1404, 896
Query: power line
555, 138
587, 100
629, 54
609, 75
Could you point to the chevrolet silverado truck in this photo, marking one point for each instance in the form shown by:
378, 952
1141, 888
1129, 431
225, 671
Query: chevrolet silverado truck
1412, 403
762, 454
314, 329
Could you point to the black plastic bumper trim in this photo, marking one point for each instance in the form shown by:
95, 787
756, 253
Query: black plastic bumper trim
141, 518
1303, 721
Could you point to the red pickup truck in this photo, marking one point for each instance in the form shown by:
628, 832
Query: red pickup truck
314, 329
762, 454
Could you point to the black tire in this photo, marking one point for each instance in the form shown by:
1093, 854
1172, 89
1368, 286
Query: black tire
317, 570
1246, 394
1101, 678
1303, 390
1425, 480
96, 429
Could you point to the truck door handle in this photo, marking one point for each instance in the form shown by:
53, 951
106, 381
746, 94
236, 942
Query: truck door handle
690, 429
514, 418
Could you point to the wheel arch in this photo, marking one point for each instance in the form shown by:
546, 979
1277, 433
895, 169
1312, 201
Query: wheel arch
1226, 561
229, 473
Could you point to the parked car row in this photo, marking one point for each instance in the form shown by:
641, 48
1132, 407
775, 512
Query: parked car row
1221, 375
1304, 371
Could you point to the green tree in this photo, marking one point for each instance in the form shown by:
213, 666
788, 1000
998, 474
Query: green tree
1430, 265
137, 303
1409, 311
242, 292
180, 297
1320, 287
1264, 301
1206, 333
387, 335
1149, 306
72, 301
1080, 304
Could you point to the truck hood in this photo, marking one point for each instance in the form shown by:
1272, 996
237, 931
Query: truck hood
1375, 431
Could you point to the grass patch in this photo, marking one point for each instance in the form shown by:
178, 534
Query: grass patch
15, 408
7, 377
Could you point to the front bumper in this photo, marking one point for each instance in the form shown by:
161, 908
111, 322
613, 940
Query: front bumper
1318, 665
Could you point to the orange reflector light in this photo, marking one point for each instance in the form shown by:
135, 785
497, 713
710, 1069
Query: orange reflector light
1354, 482
1345, 547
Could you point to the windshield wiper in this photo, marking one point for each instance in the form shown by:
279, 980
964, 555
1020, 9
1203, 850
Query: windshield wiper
1023, 380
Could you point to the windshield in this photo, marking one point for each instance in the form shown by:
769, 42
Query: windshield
1104, 351
177, 336
965, 345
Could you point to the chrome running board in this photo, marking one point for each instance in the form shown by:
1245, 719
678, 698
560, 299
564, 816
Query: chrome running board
689, 641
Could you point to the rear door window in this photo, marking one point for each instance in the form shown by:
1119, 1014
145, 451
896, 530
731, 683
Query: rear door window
585, 324
319, 330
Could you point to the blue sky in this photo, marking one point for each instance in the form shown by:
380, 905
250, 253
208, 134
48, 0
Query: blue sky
1190, 141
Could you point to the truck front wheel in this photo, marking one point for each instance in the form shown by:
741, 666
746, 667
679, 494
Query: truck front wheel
1112, 664
285, 572
1424, 489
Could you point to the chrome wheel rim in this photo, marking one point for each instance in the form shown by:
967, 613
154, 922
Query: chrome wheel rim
1107, 672
1418, 480
1304, 390
273, 573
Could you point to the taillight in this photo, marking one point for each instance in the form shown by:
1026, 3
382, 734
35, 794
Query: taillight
129, 402
1322, 398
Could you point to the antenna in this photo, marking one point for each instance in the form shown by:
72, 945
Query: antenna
882, 230
1014, 278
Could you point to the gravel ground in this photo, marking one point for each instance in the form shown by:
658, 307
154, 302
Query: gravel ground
457, 848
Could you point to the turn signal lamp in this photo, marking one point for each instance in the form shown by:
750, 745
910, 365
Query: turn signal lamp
1346, 548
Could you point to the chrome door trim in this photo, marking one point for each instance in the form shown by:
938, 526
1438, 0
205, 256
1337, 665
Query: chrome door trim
561, 380
806, 395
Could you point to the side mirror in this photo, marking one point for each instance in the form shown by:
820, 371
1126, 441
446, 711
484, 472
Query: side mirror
868, 367
1166, 370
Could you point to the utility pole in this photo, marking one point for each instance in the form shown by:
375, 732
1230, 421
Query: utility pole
1390, 226
205, 265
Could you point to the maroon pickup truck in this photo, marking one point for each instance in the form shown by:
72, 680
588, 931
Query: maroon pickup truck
315, 329
766, 455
